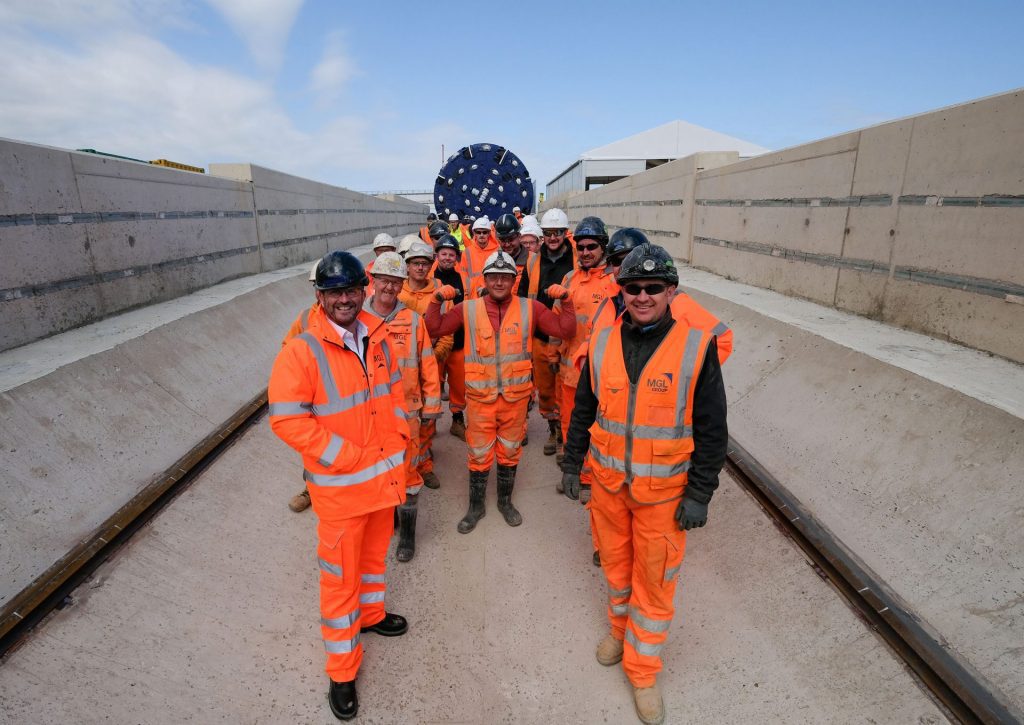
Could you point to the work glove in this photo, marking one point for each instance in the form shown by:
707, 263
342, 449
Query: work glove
447, 292
571, 485
557, 292
691, 514
584, 494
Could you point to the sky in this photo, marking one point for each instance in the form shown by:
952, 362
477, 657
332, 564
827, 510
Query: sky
365, 95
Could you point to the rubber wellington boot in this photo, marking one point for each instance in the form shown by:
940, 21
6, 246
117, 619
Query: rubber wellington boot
477, 490
407, 529
554, 432
559, 446
458, 428
506, 482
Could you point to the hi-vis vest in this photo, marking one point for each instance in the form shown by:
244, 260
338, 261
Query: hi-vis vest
345, 416
642, 436
532, 266
589, 289
499, 362
471, 266
410, 343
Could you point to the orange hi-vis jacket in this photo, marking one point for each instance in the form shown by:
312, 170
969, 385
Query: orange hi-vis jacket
345, 415
471, 265
425, 235
410, 343
642, 436
418, 301
498, 362
301, 323
588, 289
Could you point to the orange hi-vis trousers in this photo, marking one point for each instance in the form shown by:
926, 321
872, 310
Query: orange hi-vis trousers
425, 461
351, 555
413, 478
642, 549
454, 369
544, 381
500, 425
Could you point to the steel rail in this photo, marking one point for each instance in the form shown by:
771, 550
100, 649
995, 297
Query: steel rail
51, 589
959, 687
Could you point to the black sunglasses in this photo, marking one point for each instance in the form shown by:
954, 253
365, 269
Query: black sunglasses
586, 247
651, 289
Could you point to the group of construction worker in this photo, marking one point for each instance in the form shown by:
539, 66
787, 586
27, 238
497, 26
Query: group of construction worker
503, 316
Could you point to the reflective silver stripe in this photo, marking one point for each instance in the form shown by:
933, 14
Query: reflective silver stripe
654, 626
408, 414
352, 479
600, 343
619, 610
290, 408
671, 573
372, 578
326, 376
413, 489
396, 378
652, 432
693, 340
341, 622
340, 405
331, 451
491, 382
647, 470
430, 416
509, 444
342, 646
330, 568
720, 328
432, 402
371, 597
643, 648
469, 320
619, 593
477, 452
408, 362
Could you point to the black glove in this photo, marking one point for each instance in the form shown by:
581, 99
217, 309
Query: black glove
691, 514
571, 484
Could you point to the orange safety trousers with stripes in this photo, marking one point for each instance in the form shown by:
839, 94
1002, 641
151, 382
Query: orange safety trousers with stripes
640, 446
498, 372
346, 417
453, 369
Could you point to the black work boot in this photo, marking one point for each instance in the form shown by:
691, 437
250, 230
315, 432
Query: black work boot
554, 433
477, 490
343, 700
506, 482
559, 445
407, 529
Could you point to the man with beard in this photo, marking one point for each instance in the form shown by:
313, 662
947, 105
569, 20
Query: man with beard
336, 397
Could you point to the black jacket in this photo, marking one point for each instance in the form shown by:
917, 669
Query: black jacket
710, 431
551, 272
453, 278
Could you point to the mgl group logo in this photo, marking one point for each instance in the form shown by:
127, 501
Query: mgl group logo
660, 383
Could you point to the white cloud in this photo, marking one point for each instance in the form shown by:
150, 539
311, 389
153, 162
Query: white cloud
332, 73
264, 25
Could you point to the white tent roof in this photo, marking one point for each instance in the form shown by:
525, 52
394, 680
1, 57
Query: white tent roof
673, 140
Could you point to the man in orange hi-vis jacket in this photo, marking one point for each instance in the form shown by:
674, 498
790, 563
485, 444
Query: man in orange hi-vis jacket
411, 345
475, 256
336, 397
499, 338
650, 408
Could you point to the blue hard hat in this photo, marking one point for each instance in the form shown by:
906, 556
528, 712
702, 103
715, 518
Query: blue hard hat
338, 270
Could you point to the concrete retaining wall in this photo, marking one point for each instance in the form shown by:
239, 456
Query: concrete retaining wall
81, 441
917, 222
83, 236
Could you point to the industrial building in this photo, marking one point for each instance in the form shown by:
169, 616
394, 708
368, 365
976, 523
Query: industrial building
643, 151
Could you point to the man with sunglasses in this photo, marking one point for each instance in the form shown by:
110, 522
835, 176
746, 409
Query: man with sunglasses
475, 256
336, 397
549, 266
651, 409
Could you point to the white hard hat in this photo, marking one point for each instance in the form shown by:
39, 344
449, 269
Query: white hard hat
383, 240
420, 249
515, 209
531, 227
312, 272
482, 223
406, 244
390, 264
498, 263
554, 219
453, 217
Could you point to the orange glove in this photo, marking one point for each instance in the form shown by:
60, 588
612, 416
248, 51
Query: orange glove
447, 292
557, 292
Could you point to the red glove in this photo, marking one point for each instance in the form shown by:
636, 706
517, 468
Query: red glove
447, 292
557, 292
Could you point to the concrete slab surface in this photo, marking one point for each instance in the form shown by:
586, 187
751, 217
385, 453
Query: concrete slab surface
210, 615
